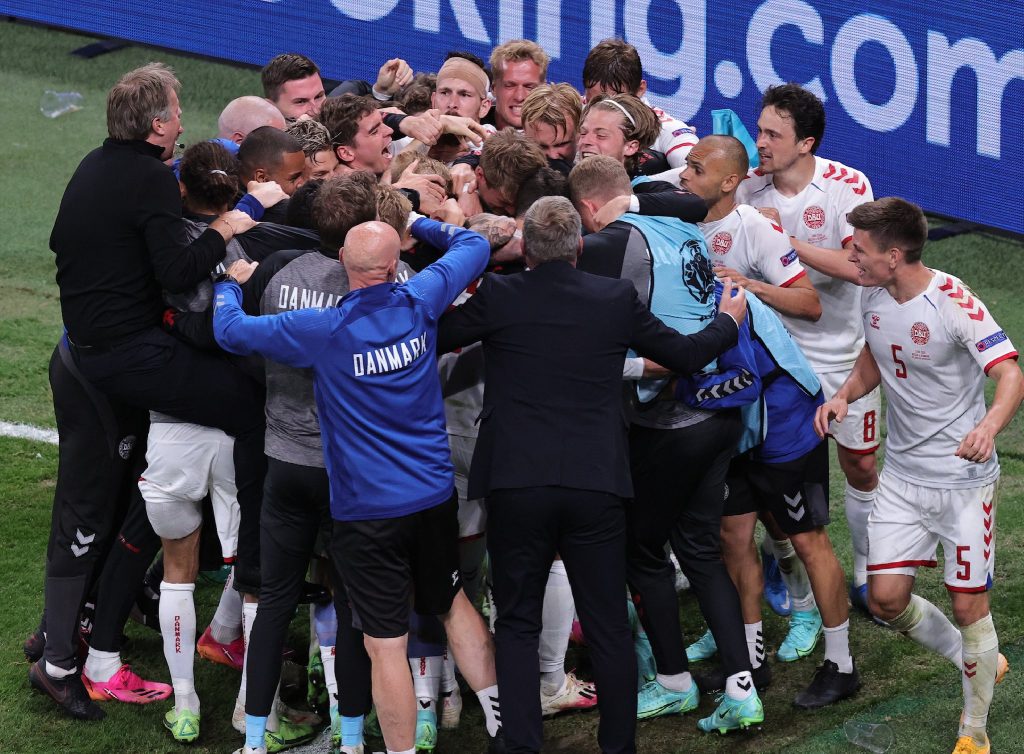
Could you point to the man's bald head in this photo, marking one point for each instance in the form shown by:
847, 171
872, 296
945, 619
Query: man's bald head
370, 254
246, 114
730, 150
714, 169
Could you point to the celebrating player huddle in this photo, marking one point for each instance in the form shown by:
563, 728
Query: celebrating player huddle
391, 333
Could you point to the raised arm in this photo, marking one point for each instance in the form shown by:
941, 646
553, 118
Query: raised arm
465, 257
294, 338
686, 354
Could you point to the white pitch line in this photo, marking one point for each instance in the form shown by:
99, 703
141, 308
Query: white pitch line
28, 432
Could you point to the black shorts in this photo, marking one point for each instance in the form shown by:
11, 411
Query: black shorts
389, 563
794, 492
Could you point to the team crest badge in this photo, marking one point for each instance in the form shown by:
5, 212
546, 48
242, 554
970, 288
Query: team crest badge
814, 217
721, 242
124, 448
919, 333
875, 319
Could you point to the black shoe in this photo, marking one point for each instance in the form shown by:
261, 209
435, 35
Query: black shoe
496, 745
69, 693
34, 646
713, 681
828, 686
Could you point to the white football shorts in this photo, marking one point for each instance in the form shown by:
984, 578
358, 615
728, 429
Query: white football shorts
184, 463
908, 522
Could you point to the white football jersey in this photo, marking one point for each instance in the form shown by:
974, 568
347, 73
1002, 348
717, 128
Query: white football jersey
817, 215
675, 140
750, 243
933, 353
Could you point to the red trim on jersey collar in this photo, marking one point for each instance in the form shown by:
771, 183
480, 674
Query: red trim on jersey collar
846, 241
903, 564
1004, 357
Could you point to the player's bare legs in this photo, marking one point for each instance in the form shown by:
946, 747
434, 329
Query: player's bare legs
740, 555
805, 621
392, 691
472, 646
814, 549
181, 558
837, 677
470, 642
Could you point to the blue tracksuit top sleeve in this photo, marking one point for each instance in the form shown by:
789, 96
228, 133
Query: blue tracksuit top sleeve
294, 338
465, 258
736, 382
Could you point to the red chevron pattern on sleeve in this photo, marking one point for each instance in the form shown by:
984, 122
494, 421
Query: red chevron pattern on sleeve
845, 175
963, 299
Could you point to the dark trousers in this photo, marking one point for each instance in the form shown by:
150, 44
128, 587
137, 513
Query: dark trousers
155, 371
525, 528
118, 584
296, 503
679, 488
100, 441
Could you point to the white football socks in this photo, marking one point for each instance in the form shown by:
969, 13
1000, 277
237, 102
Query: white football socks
980, 659
178, 629
557, 617
837, 646
101, 666
426, 681
330, 678
755, 643
676, 682
858, 508
929, 627
448, 681
492, 709
226, 624
739, 686
801, 598
248, 618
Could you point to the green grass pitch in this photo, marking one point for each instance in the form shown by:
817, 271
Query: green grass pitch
917, 694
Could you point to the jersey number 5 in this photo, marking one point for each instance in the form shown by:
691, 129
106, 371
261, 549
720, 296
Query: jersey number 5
901, 366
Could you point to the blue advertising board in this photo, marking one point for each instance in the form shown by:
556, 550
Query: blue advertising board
927, 99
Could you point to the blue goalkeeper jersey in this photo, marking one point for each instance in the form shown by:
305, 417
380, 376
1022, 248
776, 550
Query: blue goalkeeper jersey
375, 376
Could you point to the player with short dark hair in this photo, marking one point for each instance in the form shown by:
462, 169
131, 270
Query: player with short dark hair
930, 342
809, 197
269, 154
292, 83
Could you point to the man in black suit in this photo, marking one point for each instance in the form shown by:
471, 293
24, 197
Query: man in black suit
552, 456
